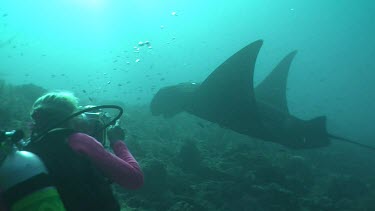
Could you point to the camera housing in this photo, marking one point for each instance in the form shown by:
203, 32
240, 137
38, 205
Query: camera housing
94, 124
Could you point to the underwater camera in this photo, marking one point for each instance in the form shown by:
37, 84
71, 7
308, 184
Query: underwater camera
93, 123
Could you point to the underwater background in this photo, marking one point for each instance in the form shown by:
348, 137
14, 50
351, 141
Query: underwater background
125, 51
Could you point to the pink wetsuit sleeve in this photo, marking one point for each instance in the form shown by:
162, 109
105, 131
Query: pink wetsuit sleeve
122, 168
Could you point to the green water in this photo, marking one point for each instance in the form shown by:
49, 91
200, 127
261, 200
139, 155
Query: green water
91, 47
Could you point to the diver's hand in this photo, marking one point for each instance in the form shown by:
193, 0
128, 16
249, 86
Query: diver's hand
115, 133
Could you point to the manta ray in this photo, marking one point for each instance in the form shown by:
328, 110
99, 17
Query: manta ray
229, 98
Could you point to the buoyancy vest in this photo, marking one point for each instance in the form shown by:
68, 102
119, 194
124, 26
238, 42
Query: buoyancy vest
79, 183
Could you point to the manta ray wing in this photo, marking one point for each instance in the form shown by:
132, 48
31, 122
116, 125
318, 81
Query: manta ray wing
227, 95
272, 90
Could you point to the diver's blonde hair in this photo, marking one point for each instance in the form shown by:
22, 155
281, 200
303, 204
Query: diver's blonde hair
61, 103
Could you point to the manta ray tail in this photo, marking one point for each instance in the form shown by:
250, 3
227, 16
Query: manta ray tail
316, 134
350, 141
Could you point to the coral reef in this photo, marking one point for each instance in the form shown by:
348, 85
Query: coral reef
15, 104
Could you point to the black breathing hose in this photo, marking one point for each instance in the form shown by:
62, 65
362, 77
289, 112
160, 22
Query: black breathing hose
113, 121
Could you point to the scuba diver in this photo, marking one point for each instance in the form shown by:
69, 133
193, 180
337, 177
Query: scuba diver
78, 165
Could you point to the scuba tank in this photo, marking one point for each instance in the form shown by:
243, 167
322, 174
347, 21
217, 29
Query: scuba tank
24, 181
